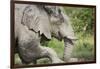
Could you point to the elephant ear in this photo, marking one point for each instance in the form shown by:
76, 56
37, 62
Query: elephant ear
36, 19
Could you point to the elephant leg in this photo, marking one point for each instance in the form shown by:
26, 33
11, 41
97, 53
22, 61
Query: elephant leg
68, 49
51, 54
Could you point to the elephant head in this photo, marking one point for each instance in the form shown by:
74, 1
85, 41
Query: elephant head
61, 28
50, 21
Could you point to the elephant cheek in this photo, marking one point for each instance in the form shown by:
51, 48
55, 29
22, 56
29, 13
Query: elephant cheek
62, 32
67, 31
68, 49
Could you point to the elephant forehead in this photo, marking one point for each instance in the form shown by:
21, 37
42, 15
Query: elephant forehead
52, 9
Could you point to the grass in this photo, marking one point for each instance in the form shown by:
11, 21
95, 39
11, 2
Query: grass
83, 48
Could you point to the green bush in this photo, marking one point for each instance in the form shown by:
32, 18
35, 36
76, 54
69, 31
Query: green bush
84, 48
82, 18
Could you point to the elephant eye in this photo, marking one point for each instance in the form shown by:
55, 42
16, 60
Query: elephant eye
59, 10
50, 11
29, 10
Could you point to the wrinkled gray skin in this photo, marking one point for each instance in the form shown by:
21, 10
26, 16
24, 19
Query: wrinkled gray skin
32, 23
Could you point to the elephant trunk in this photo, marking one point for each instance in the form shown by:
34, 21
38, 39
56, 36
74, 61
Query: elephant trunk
67, 49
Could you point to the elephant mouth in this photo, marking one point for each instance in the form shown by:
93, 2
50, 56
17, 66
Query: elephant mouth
68, 40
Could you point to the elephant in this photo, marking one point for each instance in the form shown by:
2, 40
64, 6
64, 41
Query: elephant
35, 23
